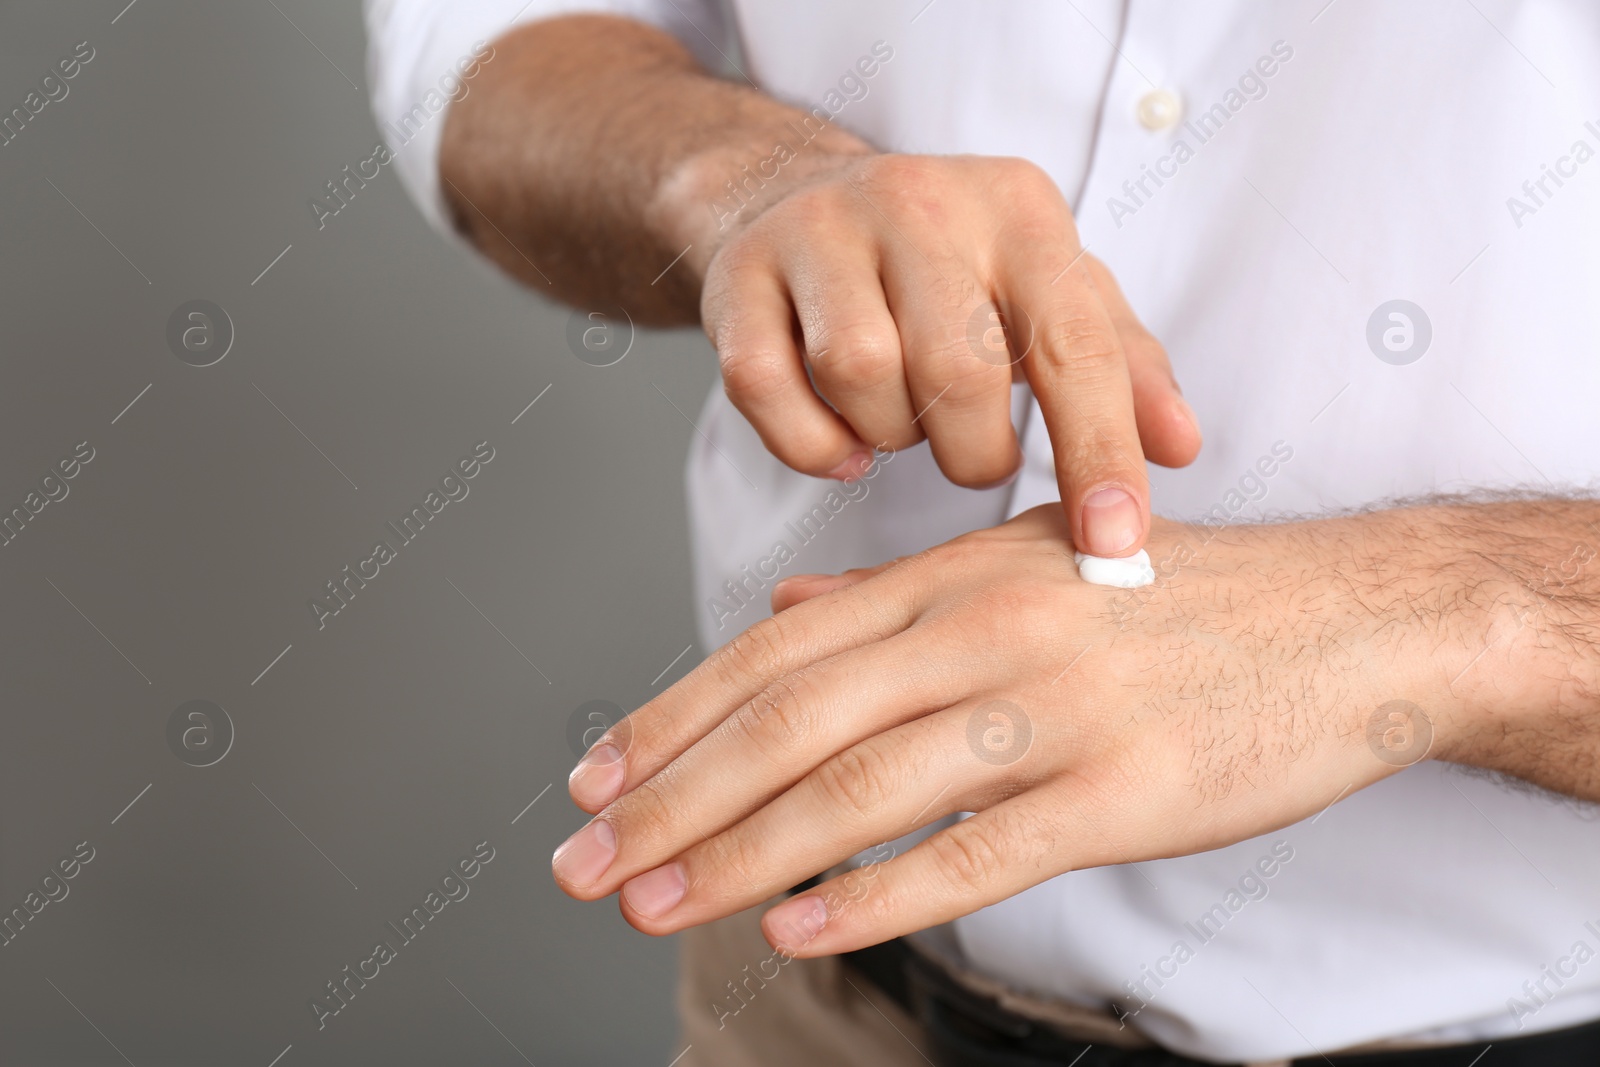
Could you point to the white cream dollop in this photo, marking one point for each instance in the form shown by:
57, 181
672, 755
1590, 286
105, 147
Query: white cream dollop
1130, 572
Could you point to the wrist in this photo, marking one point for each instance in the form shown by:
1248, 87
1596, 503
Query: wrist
709, 196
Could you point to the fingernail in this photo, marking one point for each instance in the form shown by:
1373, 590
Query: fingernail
597, 779
852, 468
656, 892
796, 921
584, 857
1187, 410
1110, 521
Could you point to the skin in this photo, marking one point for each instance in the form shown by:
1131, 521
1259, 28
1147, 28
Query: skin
911, 290
1271, 670
1238, 695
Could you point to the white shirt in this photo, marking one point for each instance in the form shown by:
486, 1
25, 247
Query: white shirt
1383, 158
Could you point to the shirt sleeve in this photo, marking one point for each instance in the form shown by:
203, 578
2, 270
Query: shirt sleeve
423, 54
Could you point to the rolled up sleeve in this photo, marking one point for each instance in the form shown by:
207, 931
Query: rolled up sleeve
422, 55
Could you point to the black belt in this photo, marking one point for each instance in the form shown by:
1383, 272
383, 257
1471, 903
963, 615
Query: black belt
967, 1029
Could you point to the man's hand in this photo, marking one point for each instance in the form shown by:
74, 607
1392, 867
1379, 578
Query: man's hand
1270, 671
856, 300
887, 299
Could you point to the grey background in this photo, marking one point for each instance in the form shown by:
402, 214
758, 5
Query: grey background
378, 751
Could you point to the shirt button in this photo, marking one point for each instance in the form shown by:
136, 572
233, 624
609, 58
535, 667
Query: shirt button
1159, 109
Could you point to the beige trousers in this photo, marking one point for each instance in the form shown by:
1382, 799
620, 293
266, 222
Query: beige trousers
743, 1005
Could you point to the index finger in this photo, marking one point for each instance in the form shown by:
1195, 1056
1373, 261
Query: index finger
1079, 374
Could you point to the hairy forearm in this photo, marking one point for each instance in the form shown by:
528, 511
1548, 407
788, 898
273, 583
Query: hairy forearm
1522, 580
589, 158
1484, 615
1460, 629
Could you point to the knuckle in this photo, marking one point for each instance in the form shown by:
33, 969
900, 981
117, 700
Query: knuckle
858, 357
1036, 208
815, 217
960, 291
968, 856
647, 813
898, 171
968, 377
778, 721
1015, 171
1079, 342
737, 861
861, 780
649, 738
755, 374
882, 907
745, 265
877, 903
738, 256
755, 653
913, 190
